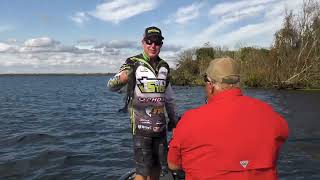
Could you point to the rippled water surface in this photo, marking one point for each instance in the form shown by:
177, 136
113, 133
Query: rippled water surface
68, 127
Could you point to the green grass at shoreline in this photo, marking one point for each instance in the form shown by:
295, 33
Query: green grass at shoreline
308, 89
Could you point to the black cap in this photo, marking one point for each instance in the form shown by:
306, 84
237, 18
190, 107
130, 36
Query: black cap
152, 31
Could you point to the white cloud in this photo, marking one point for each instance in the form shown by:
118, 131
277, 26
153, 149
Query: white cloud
230, 13
187, 13
235, 7
245, 13
4, 47
278, 9
268, 15
45, 55
251, 32
117, 10
118, 44
171, 48
61, 62
12, 41
41, 42
8, 48
228, 19
80, 18
89, 41
209, 32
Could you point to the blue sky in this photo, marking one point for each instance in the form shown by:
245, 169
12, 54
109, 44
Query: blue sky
96, 36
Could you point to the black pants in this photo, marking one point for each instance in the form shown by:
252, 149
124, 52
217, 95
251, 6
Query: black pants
149, 153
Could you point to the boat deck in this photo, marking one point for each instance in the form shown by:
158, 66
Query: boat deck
179, 175
167, 177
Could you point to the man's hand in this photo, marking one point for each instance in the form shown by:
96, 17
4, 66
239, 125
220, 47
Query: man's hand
173, 166
118, 81
123, 77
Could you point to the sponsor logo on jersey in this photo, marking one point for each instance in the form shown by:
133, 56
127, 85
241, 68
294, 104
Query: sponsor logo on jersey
156, 129
144, 127
154, 110
163, 71
151, 85
151, 99
144, 69
144, 121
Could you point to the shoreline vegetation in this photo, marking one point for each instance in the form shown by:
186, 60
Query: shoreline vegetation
292, 62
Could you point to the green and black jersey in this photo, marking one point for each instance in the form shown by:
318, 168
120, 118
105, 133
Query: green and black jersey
149, 94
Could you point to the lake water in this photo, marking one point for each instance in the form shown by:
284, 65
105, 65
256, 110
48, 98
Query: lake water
68, 127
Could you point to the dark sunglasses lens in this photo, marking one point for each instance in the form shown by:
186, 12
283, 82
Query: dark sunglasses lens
157, 42
205, 78
148, 41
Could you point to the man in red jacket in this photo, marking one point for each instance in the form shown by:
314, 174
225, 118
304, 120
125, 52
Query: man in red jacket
232, 137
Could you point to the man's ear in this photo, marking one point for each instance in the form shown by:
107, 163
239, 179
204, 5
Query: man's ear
211, 88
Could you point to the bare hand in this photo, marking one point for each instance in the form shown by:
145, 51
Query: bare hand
123, 76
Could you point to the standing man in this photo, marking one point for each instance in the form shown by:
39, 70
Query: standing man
232, 137
149, 94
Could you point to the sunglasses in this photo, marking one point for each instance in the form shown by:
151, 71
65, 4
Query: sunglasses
206, 79
156, 42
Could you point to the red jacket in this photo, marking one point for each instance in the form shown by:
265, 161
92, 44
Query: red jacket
231, 137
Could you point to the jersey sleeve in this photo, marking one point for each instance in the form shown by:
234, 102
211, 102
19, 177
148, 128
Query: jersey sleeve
114, 83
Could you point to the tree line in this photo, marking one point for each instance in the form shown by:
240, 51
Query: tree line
292, 61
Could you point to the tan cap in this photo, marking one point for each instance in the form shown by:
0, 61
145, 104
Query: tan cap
224, 70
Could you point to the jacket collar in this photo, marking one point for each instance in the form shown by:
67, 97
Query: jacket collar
145, 56
226, 95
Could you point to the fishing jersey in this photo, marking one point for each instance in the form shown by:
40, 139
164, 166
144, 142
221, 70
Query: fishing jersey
149, 94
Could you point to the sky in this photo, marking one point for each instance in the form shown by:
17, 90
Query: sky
97, 36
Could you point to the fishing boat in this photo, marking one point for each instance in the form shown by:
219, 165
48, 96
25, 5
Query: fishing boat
176, 175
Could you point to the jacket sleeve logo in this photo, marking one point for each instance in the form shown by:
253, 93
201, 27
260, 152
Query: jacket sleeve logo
244, 163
